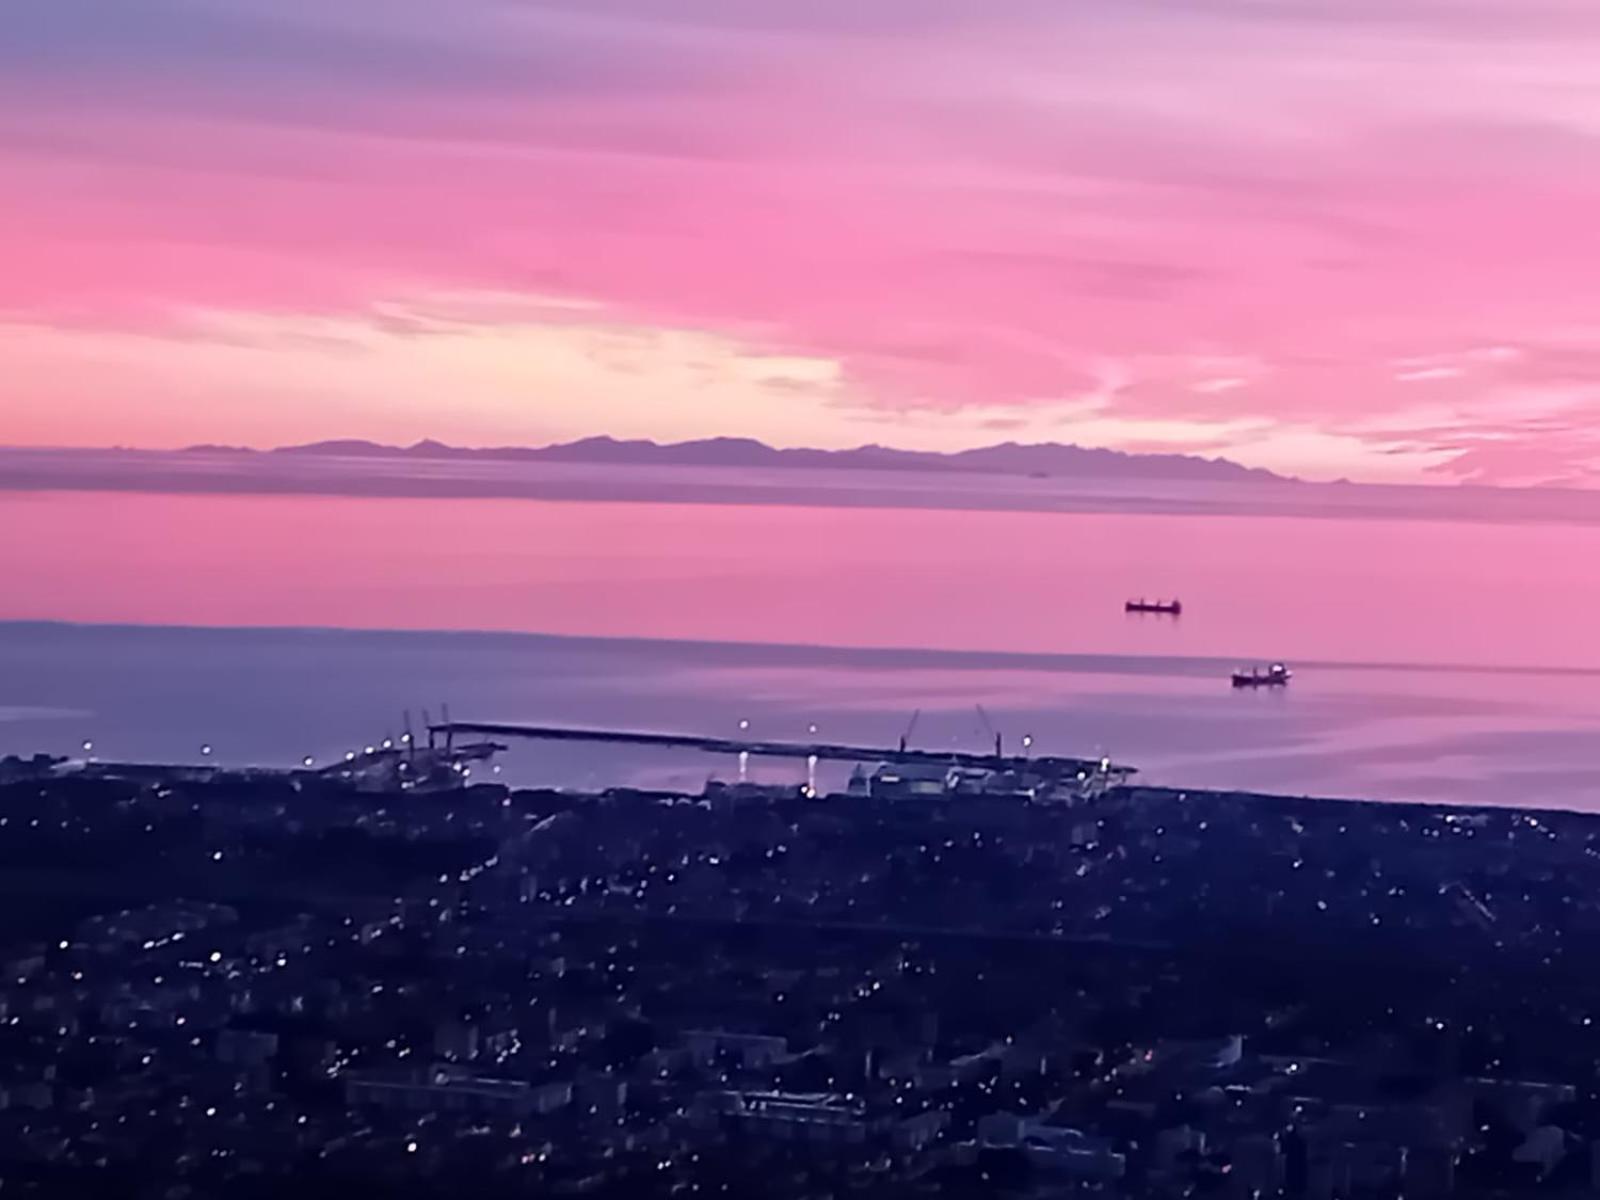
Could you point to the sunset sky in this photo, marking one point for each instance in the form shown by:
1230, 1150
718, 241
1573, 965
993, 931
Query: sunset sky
1332, 237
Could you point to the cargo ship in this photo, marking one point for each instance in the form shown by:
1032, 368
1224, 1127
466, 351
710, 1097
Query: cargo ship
1277, 675
1170, 608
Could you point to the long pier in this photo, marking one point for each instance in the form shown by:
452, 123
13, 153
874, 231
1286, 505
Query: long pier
821, 751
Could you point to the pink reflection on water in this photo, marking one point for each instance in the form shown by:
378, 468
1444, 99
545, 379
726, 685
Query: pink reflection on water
1328, 595
1253, 587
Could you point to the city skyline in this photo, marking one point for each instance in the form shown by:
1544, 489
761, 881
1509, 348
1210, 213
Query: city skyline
1325, 239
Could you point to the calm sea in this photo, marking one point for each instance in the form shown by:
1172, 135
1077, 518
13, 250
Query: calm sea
1435, 659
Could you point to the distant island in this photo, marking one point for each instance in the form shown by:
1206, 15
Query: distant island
1047, 459
1043, 477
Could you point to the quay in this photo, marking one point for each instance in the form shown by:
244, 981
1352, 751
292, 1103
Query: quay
454, 750
1050, 765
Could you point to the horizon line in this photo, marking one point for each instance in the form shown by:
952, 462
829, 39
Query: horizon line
1074, 662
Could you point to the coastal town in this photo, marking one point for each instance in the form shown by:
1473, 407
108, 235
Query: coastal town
939, 980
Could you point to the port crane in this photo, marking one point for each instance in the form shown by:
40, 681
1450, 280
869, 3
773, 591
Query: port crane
911, 727
992, 731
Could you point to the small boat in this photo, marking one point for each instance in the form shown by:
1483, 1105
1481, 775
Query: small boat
1170, 608
1277, 675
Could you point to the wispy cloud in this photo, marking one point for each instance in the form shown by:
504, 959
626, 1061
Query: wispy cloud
1247, 223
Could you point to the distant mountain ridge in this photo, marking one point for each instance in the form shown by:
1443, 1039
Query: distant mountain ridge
1006, 458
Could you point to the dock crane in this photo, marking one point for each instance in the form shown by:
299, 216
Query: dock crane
993, 732
911, 727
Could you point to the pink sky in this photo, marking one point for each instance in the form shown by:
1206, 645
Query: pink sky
1333, 237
